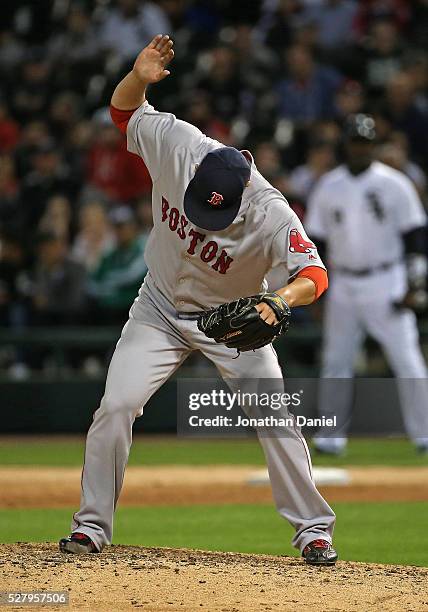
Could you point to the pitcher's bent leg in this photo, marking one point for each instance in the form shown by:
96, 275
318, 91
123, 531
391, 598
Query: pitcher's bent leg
287, 456
145, 356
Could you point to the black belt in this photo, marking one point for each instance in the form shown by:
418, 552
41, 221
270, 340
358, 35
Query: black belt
367, 271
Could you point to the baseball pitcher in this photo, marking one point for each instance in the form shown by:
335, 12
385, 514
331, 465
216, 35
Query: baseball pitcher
219, 226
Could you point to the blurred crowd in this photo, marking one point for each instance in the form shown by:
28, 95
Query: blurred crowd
275, 76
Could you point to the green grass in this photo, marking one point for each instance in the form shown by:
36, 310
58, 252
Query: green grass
378, 532
63, 451
148, 451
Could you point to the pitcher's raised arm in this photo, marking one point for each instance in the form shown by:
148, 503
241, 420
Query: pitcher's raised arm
149, 67
151, 134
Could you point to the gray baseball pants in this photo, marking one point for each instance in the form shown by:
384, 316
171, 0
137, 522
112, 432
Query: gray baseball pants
153, 344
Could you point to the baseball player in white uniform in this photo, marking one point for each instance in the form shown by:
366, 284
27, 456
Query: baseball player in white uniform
219, 226
371, 222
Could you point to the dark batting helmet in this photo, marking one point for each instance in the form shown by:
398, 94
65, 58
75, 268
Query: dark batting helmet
360, 127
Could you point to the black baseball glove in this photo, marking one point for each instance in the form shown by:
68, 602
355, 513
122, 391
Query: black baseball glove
239, 325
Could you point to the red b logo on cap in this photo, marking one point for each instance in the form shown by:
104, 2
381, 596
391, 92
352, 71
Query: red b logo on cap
216, 199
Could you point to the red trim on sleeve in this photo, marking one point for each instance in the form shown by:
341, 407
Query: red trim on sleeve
121, 117
318, 276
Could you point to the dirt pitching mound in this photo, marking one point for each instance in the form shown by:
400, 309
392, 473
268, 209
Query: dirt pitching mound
162, 579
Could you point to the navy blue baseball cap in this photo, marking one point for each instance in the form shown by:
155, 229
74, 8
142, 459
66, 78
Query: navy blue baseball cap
213, 196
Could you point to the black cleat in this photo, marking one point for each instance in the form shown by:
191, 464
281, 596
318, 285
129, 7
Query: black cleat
78, 544
319, 552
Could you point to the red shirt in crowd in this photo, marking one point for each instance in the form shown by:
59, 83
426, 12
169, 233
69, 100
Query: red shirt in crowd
119, 174
9, 135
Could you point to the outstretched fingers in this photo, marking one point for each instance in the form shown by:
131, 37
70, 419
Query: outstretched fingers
166, 51
154, 42
168, 57
164, 44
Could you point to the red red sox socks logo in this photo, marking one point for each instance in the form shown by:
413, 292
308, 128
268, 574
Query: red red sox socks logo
216, 199
299, 245
209, 252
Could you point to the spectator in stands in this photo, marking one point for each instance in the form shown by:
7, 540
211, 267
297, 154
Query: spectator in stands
395, 154
222, 82
50, 176
383, 124
416, 68
307, 93
9, 129
32, 91
370, 11
320, 159
276, 26
10, 211
404, 115
58, 283
333, 20
57, 218
267, 157
118, 175
64, 113
12, 51
418, 29
202, 20
199, 112
76, 49
95, 237
327, 131
77, 144
131, 25
305, 34
33, 136
12, 266
115, 282
384, 55
349, 100
258, 65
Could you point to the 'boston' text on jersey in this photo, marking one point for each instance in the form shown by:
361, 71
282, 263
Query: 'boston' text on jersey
209, 252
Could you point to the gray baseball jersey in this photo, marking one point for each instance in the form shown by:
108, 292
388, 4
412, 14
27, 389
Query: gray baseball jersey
192, 268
